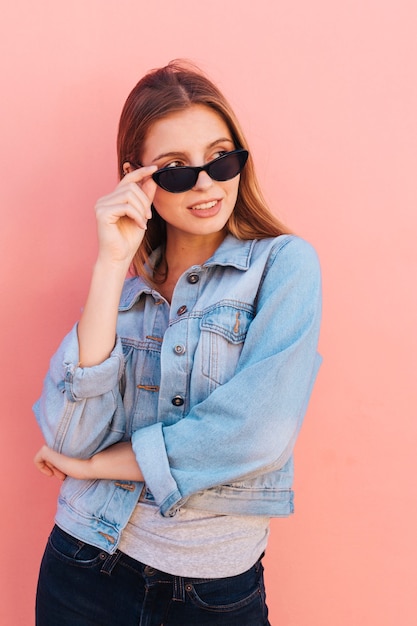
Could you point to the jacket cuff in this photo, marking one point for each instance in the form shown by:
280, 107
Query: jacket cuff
86, 382
149, 447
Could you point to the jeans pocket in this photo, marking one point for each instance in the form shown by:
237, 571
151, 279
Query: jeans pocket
73, 551
228, 594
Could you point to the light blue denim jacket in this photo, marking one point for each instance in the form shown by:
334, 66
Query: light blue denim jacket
211, 390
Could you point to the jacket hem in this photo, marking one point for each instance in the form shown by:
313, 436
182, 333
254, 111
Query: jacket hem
231, 501
87, 528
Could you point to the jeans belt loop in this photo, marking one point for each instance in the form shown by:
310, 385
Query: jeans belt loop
178, 593
110, 563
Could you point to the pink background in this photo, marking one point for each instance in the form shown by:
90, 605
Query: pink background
327, 93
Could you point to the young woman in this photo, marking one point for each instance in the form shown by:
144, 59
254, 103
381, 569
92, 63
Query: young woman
172, 408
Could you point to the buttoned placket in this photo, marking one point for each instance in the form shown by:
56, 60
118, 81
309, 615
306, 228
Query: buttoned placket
174, 357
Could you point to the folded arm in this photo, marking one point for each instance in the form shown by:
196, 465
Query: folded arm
117, 462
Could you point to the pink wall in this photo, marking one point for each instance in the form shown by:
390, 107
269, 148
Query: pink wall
327, 93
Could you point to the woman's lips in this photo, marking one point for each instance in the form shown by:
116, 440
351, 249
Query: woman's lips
204, 205
206, 209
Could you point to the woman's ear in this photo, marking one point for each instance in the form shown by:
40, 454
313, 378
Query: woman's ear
127, 168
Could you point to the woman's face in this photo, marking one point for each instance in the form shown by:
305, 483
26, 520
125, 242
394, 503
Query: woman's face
193, 137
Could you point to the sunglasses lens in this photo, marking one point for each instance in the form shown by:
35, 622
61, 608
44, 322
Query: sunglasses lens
176, 179
228, 166
179, 179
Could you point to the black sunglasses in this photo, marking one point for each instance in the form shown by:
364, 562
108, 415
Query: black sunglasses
184, 177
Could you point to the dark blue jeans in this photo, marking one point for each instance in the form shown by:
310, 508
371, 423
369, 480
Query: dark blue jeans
80, 585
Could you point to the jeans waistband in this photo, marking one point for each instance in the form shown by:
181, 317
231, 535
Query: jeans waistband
150, 573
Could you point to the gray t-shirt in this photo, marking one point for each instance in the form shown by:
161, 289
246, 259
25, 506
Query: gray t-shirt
195, 543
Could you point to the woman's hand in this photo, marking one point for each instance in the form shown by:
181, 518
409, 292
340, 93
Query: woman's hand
122, 216
60, 466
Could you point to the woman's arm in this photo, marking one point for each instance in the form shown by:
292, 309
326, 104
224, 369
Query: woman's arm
117, 462
80, 410
248, 425
121, 223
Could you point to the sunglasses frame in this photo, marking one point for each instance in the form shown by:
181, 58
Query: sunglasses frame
240, 153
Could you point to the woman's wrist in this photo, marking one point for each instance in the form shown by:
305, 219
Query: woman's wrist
107, 267
97, 326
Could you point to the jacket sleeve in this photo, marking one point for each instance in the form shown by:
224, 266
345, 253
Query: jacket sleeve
249, 425
80, 411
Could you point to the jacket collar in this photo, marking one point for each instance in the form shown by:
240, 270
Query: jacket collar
231, 252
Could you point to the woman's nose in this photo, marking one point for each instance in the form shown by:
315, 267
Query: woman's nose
203, 181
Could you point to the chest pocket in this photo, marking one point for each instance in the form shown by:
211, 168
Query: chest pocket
223, 333
139, 385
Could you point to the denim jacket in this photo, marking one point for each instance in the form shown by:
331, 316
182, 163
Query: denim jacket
211, 390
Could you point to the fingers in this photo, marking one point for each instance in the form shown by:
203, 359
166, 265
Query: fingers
132, 198
39, 456
129, 196
138, 175
142, 180
123, 214
45, 466
44, 469
112, 208
40, 462
57, 473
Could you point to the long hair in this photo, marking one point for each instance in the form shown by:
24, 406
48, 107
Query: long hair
170, 89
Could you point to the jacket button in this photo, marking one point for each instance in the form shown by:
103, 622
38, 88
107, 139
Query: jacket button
193, 278
182, 310
177, 400
179, 349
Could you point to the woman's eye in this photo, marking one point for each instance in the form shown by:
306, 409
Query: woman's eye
218, 154
174, 164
